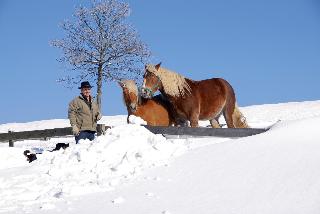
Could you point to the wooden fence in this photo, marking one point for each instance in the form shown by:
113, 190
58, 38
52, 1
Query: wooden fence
200, 131
209, 132
42, 134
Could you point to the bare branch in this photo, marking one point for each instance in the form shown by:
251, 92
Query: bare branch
100, 36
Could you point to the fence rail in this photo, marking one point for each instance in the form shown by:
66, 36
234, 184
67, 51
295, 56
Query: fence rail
202, 131
41, 134
67, 131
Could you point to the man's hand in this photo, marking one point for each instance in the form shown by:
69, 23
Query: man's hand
98, 117
75, 130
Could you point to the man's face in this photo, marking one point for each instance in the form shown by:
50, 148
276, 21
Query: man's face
86, 91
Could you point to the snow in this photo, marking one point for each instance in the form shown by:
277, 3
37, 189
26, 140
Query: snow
136, 120
131, 170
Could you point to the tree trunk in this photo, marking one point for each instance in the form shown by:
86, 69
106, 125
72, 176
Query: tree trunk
99, 86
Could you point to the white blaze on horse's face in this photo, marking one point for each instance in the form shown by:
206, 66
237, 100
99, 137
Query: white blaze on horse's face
133, 100
144, 83
145, 90
130, 94
133, 107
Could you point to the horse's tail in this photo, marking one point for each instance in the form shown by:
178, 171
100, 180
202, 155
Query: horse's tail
239, 121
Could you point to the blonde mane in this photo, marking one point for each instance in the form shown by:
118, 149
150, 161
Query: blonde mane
173, 83
131, 86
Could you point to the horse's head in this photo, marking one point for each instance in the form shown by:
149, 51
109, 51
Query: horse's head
130, 94
151, 81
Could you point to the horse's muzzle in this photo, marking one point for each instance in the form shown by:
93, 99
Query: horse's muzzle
146, 93
133, 107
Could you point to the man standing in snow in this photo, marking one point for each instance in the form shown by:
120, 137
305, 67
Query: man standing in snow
83, 114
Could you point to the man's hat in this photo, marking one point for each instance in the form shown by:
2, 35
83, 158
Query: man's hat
85, 84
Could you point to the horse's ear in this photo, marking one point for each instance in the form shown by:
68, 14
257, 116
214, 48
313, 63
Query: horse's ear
157, 66
121, 83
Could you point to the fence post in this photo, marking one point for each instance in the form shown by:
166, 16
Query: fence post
101, 129
11, 144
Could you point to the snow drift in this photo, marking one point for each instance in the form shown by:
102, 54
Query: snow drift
132, 169
84, 168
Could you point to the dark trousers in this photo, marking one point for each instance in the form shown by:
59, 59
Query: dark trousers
85, 135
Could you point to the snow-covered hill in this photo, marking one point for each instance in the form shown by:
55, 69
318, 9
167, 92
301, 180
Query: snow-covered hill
130, 170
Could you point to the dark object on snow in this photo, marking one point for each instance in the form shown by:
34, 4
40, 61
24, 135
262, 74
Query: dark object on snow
60, 145
30, 156
33, 156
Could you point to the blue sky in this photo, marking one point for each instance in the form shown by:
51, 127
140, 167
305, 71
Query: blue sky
268, 50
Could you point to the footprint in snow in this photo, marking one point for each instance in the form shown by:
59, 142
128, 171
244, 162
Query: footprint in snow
149, 194
47, 206
118, 200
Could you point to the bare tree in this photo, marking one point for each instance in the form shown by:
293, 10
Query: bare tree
100, 45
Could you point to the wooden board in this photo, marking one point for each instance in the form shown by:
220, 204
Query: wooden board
202, 131
184, 131
36, 134
43, 134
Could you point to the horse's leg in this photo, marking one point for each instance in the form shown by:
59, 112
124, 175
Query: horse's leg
128, 119
194, 118
227, 113
214, 123
194, 122
180, 122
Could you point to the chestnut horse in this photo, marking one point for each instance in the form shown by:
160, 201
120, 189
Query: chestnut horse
194, 100
155, 111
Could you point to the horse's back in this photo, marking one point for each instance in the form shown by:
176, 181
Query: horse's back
215, 88
155, 113
213, 83
212, 96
